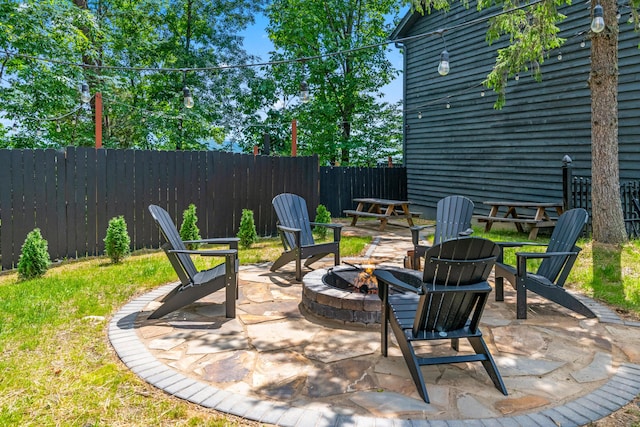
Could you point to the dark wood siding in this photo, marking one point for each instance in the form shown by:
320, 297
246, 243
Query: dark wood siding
457, 143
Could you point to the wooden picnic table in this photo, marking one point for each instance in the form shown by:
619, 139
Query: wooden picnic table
381, 209
533, 214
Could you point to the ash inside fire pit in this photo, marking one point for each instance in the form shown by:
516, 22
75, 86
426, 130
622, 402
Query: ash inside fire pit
353, 280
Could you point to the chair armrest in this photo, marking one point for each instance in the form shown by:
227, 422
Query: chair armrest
467, 232
296, 236
518, 244
231, 241
533, 255
325, 224
223, 252
421, 227
388, 278
288, 229
522, 257
415, 232
474, 287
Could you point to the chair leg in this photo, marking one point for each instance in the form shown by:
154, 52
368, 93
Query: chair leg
521, 289
384, 329
480, 347
230, 296
298, 266
499, 281
560, 296
411, 360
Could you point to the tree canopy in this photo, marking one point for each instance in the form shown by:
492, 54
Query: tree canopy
132, 53
345, 120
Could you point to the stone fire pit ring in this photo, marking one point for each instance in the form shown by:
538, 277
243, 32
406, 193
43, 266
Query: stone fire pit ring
333, 304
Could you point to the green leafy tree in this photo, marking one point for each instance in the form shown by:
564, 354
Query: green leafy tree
34, 258
121, 43
344, 87
323, 216
247, 232
189, 229
40, 97
533, 32
117, 241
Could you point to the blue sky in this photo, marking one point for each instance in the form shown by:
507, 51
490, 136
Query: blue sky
257, 42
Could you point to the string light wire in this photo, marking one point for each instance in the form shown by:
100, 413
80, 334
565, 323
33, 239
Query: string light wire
439, 32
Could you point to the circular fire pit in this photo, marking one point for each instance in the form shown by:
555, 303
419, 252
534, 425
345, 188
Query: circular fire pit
330, 296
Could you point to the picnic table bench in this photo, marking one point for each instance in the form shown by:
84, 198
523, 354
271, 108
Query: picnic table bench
535, 221
381, 209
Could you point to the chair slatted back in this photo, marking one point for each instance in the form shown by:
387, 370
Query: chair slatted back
453, 216
291, 211
450, 267
182, 263
563, 239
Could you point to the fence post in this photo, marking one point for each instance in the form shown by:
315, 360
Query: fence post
566, 182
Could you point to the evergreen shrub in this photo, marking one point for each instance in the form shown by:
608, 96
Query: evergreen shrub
117, 241
247, 233
189, 229
323, 216
34, 258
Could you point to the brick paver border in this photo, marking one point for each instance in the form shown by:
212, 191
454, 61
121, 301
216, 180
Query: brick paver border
613, 395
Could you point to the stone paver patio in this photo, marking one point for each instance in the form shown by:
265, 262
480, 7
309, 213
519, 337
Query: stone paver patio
277, 365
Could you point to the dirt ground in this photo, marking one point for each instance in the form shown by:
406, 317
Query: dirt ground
628, 416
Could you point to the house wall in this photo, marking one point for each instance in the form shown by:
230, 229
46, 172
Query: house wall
515, 153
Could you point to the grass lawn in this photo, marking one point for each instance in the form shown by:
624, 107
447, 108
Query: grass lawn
58, 368
57, 365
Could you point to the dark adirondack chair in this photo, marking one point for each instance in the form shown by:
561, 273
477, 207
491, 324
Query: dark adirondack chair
196, 284
453, 220
446, 304
557, 261
294, 228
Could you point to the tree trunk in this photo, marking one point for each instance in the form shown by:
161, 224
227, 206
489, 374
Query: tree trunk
607, 217
346, 134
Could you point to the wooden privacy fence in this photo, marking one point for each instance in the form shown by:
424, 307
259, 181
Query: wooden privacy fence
340, 185
71, 194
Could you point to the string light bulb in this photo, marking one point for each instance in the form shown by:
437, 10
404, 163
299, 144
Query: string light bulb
443, 66
85, 95
304, 91
419, 114
597, 24
188, 99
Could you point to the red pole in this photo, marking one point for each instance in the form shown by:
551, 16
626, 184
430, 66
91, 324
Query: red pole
294, 138
98, 120
255, 150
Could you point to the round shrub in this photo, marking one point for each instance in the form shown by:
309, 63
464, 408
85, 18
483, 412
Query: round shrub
34, 258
